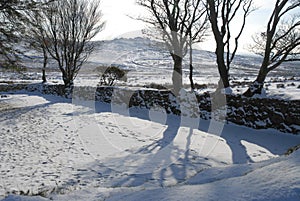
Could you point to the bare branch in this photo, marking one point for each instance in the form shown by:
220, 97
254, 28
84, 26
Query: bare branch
221, 16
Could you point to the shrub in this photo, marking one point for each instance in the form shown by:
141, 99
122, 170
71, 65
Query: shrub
111, 75
200, 86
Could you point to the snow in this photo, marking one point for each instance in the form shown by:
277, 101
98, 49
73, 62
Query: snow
149, 62
53, 148
227, 91
59, 149
263, 182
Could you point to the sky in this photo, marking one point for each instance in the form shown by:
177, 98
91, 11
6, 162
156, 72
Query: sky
119, 15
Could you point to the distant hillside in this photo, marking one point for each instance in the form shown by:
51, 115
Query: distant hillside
143, 54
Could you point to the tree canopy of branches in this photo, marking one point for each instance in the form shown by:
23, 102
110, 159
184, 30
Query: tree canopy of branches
68, 28
279, 43
13, 21
222, 15
179, 23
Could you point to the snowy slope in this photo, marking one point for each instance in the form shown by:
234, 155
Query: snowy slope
76, 150
149, 62
275, 180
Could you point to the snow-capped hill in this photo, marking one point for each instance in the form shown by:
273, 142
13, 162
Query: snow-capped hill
133, 43
150, 62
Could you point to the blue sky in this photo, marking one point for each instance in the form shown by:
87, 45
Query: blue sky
118, 23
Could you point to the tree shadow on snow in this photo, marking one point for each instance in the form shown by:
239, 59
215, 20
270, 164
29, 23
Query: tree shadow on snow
236, 137
13, 112
163, 162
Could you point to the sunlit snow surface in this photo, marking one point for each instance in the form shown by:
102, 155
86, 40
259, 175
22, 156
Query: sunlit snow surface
76, 150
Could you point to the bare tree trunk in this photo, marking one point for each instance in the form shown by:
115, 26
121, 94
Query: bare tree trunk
191, 77
66, 79
68, 82
224, 77
44, 76
222, 68
177, 74
257, 86
45, 65
191, 65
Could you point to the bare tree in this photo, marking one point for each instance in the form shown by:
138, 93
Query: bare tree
68, 28
280, 43
178, 22
222, 14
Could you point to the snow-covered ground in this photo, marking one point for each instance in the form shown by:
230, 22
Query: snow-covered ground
53, 148
71, 150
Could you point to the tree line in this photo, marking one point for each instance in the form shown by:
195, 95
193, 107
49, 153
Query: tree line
63, 30
182, 22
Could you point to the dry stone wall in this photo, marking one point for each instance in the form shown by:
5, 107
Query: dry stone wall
283, 115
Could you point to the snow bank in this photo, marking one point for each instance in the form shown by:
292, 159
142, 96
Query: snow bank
275, 180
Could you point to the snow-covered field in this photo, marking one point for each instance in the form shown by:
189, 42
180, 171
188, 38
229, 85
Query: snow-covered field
53, 148
60, 150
